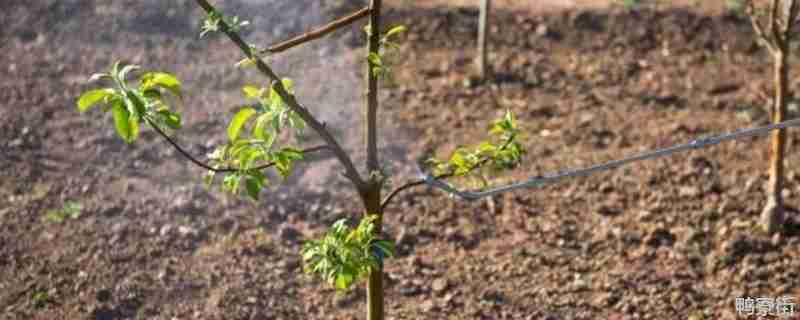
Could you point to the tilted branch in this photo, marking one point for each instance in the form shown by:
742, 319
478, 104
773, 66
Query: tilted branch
543, 180
778, 38
317, 33
421, 181
759, 29
408, 185
206, 166
289, 99
791, 19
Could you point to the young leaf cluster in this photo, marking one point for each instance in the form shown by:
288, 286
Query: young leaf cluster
378, 61
212, 22
130, 105
343, 256
505, 153
266, 119
71, 210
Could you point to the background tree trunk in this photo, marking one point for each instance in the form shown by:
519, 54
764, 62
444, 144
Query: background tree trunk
772, 215
483, 25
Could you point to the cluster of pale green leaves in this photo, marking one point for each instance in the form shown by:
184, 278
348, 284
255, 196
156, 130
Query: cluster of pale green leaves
211, 23
130, 105
70, 210
266, 119
380, 66
505, 153
345, 255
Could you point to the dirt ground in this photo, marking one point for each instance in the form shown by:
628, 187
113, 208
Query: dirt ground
673, 238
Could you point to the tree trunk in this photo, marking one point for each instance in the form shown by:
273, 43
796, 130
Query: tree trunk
371, 194
375, 284
772, 215
483, 25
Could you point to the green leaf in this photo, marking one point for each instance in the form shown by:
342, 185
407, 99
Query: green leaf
238, 122
486, 148
171, 119
296, 121
292, 153
250, 155
208, 178
458, 159
125, 70
343, 280
163, 80
375, 59
127, 127
231, 182
92, 97
138, 106
152, 94
253, 185
251, 92
259, 130
99, 76
54, 216
288, 84
385, 246
72, 209
115, 73
246, 62
395, 30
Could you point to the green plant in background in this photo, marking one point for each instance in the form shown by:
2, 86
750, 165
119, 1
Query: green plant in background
70, 210
735, 6
256, 142
40, 299
630, 4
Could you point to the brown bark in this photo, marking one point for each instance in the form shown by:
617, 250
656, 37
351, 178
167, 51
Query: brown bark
372, 203
483, 26
318, 33
772, 215
372, 193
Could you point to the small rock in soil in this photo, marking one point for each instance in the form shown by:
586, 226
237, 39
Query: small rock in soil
439, 285
543, 31
429, 306
187, 231
165, 230
689, 191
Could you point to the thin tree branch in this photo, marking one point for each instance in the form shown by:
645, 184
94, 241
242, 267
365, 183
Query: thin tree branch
422, 181
791, 19
758, 28
317, 33
408, 185
289, 99
209, 167
774, 22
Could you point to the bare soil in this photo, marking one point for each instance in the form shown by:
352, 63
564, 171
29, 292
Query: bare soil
673, 238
